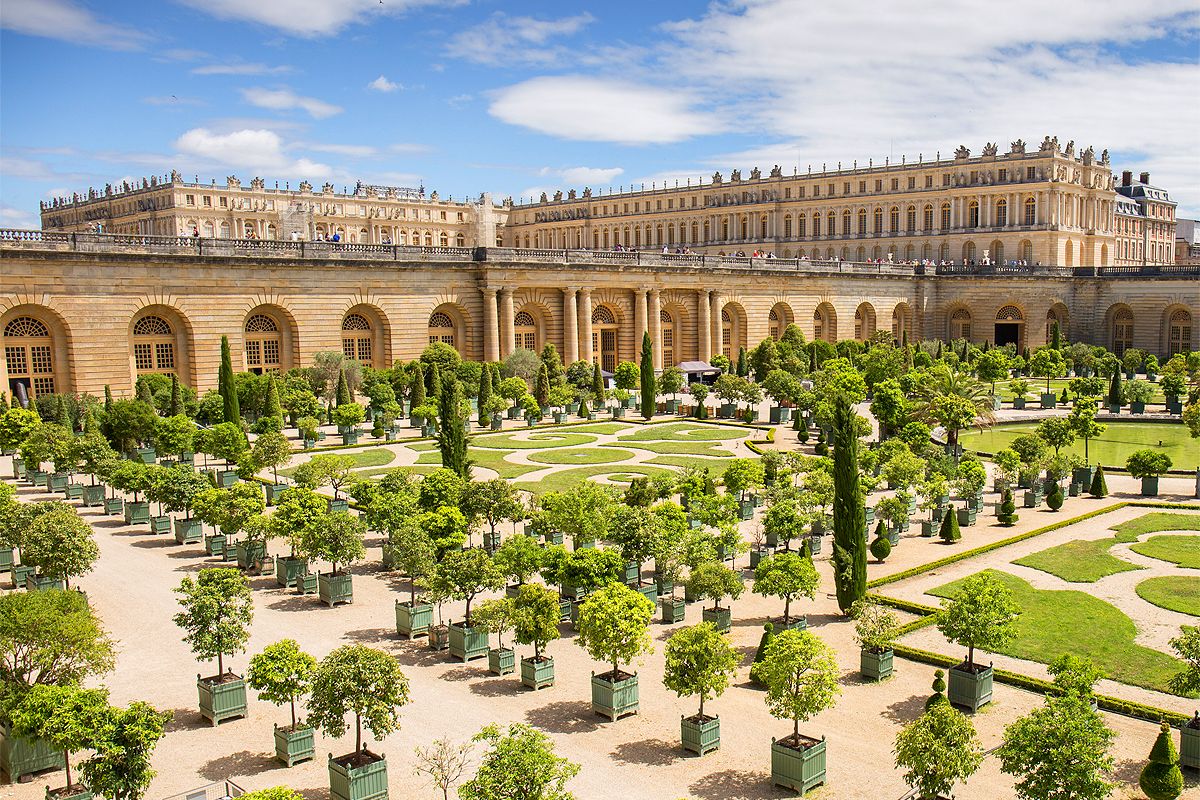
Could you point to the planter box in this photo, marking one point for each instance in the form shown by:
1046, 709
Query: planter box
1083, 475
467, 643
137, 513
274, 490
970, 690
294, 746
746, 510
159, 525
565, 609
1189, 743
20, 756
93, 495
306, 583
287, 569
1150, 486
758, 555
1074, 489
663, 585
1033, 499
221, 701
633, 574
618, 412
502, 662
700, 735
224, 478
251, 556
368, 782
671, 406
1049, 400
413, 620
38, 477
18, 573
6, 558
350, 438
40, 583
439, 637
799, 623
559, 417
339, 505
1174, 405
335, 588
875, 666
74, 491
215, 543
929, 528
1137, 408
966, 516
614, 699
1114, 408
778, 416
309, 444
722, 618
673, 610
188, 531
995, 403
497, 422
1019, 403
799, 770
147, 455
814, 544
648, 591
491, 541
537, 674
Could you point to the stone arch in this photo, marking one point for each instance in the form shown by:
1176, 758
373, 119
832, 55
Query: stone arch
269, 339
1120, 327
36, 351
1057, 313
1104, 255
959, 323
733, 329
160, 341
606, 336
364, 335
968, 252
996, 252
528, 330
1178, 324
447, 324
901, 321
674, 321
825, 323
1069, 253
1025, 251
864, 321
778, 319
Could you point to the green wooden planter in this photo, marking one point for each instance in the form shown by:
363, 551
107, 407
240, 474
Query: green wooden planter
966, 515
649, 591
497, 422
274, 490
250, 556
368, 782
188, 531
82, 794
700, 735
814, 544
58, 481
221, 701
94, 495
779, 415
571, 592
306, 583
38, 478
1136, 407
137, 513
618, 412
491, 541
287, 569
6, 558
439, 637
663, 585
215, 544
502, 662
1189, 743
20, 756
1049, 400
565, 606
40, 583
875, 666
339, 505
614, 699
799, 770
413, 620
350, 438
335, 588
74, 491
1033, 498
799, 623
722, 618
537, 674
147, 455
1019, 403
973, 691
746, 510
160, 524
294, 746
466, 643
1150, 486
672, 610
18, 573
225, 477
114, 505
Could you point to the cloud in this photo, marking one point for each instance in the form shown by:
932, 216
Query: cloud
18, 218
241, 69
504, 40
68, 22
355, 150
307, 18
286, 100
584, 176
260, 151
600, 110
382, 84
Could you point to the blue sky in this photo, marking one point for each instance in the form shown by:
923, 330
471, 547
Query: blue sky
519, 98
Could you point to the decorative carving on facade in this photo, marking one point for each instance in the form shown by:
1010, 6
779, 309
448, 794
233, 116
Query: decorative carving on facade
327, 188
735, 176
558, 196
989, 149
571, 194
755, 174
777, 171
962, 152
1017, 147
1089, 155
305, 186
233, 182
543, 198
587, 192
716, 178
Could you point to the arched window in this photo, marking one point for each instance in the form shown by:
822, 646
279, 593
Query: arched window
1030, 212
1027, 251
945, 216
1001, 213
153, 346
894, 220
901, 321
910, 219
968, 252
604, 338
1122, 333
825, 323
927, 218
862, 222
816, 231
727, 334
773, 329
460, 241
830, 224
997, 252
878, 221
787, 226
444, 239
263, 344
667, 327
973, 214
29, 356
357, 338
526, 330
960, 324
1179, 332
864, 322
441, 329
1009, 314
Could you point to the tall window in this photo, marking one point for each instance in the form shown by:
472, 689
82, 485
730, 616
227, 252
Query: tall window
927, 218
1030, 212
604, 337
357, 338
824, 323
960, 324
816, 226
878, 220
262, 344
526, 330
846, 222
441, 329
1122, 331
864, 322
153, 346
910, 219
801, 225
787, 227
1001, 213
29, 355
862, 222
1179, 332
973, 215
727, 331
894, 220
773, 329
945, 216
667, 327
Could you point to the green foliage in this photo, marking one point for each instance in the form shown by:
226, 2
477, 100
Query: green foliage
786, 575
670, 380
699, 661
282, 673
347, 415
274, 793
228, 509
60, 544
1008, 510
849, 549
1161, 778
1073, 673
226, 387
271, 450
494, 616
519, 763
938, 749
881, 546
126, 737
174, 435
452, 432
949, 531
1054, 499
1058, 432
535, 616
981, 614
1099, 487
217, 612
337, 537
627, 375
1058, 752
15, 426
801, 675
580, 513
446, 527
1187, 646
326, 469
613, 624
875, 625
225, 441
1147, 463
714, 581
742, 474
646, 377
67, 718
463, 574
763, 642
442, 487
361, 680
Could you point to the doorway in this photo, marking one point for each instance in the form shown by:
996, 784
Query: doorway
1008, 333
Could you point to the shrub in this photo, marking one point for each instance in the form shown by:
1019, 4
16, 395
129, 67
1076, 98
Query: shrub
950, 532
1161, 778
1074, 674
1054, 499
939, 689
767, 635
1099, 487
881, 546
1147, 463
1008, 510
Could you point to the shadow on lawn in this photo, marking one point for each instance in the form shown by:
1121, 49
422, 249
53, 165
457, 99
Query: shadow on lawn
734, 784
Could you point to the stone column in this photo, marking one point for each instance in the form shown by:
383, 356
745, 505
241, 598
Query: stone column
585, 324
570, 327
508, 337
640, 325
704, 332
491, 342
656, 327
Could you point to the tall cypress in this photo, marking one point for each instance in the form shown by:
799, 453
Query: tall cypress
485, 393
176, 406
142, 392
1114, 388
62, 414
1055, 336
343, 396
849, 545
649, 395
541, 390
434, 380
597, 382
226, 386
554, 365
105, 428
417, 394
3, 401
452, 433
743, 366
271, 405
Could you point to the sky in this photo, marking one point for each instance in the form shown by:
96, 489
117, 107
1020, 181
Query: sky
517, 98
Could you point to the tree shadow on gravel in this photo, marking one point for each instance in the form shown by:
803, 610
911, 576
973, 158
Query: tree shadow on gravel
651, 752
185, 719
463, 673
497, 686
419, 655
297, 602
157, 543
564, 716
735, 784
243, 762
905, 711
371, 635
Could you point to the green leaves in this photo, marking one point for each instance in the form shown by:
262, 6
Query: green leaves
1059, 752
535, 616
981, 614
937, 749
612, 625
800, 673
282, 673
714, 581
361, 680
120, 769
337, 537
699, 661
519, 763
1187, 645
217, 612
60, 544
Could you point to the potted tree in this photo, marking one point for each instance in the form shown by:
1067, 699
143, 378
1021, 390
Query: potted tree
1149, 465
518, 560
801, 675
174, 436
295, 513
491, 409
981, 614
1173, 385
94, 455
1019, 387
787, 575
612, 628
156, 492
699, 661
519, 763
493, 501
326, 469
1187, 681
308, 429
227, 511
893, 511
227, 442
670, 381
699, 393
513, 389
714, 581
367, 682
1161, 778
348, 416
121, 766
462, 575
1047, 363
937, 750
271, 450
1006, 512
875, 630
496, 616
15, 426
416, 556
132, 477
560, 396
282, 673
251, 549
336, 537
60, 545
1076, 674
535, 617
1137, 393
216, 617
178, 492
66, 718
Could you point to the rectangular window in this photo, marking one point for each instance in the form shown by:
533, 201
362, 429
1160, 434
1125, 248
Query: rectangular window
846, 187
946, 179
443, 215
912, 183
816, 190
862, 187
1003, 173
879, 186
658, 205
1030, 173
15, 357
364, 350
831, 190
43, 386
207, 201
800, 192
895, 184
974, 176
670, 204
164, 353
928, 181
143, 356
253, 354
224, 203
190, 199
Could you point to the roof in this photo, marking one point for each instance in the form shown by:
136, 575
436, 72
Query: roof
697, 366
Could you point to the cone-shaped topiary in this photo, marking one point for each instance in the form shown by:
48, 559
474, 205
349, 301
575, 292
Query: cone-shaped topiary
1161, 778
939, 689
767, 635
1098, 488
1008, 509
1054, 499
949, 531
881, 547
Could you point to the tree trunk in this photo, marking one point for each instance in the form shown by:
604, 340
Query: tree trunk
293, 705
67, 766
357, 733
787, 605
702, 704
971, 656
220, 664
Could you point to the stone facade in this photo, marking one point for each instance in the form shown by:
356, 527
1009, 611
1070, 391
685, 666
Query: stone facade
1145, 223
81, 311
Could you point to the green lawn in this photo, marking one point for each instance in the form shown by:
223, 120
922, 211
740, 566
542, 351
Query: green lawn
1174, 593
1078, 561
370, 457
717, 465
381, 471
536, 441
1057, 622
603, 428
685, 432
1181, 550
1154, 522
1038, 385
1111, 449
489, 459
566, 478
677, 448
581, 455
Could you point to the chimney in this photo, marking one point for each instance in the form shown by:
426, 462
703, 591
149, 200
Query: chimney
1144, 177
1127, 177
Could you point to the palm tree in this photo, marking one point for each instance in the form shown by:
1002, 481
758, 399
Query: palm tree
943, 380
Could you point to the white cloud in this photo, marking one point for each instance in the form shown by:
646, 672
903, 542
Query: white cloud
584, 176
67, 21
286, 100
241, 69
600, 110
260, 151
504, 40
18, 218
309, 18
354, 150
382, 84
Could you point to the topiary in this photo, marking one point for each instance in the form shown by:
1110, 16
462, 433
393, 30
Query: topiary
803, 434
1161, 778
881, 548
1054, 500
1063, 397
950, 532
1098, 488
767, 635
939, 689
1008, 509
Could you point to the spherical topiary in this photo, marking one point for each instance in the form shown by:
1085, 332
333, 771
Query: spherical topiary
1098, 488
1054, 500
881, 548
1161, 778
1008, 509
949, 531
803, 434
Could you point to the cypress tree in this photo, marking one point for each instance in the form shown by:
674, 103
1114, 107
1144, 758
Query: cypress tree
433, 379
226, 387
1099, 487
1161, 778
767, 635
452, 433
343, 396
950, 532
541, 389
417, 394
62, 414
142, 392
271, 405
496, 375
108, 404
812, 358
938, 355
176, 406
743, 366
485, 393
649, 395
1055, 336
1114, 388
553, 364
597, 382
849, 547
904, 338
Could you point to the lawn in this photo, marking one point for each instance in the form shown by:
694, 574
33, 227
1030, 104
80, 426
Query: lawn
534, 441
489, 459
1111, 449
1181, 550
1174, 593
716, 465
685, 432
371, 457
710, 448
1078, 561
566, 478
1038, 385
581, 455
602, 428
1154, 522
1057, 622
